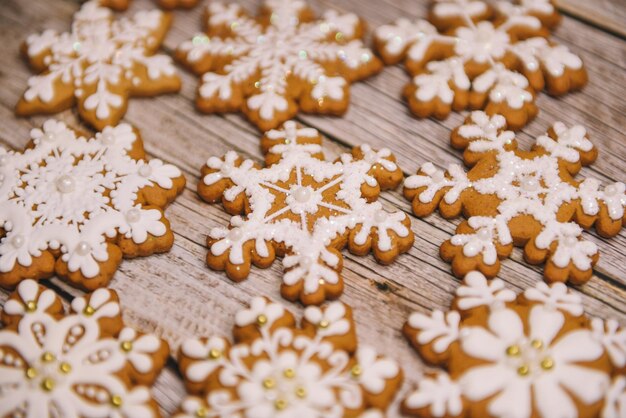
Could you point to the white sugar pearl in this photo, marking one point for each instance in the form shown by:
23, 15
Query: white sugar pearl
302, 194
226, 169
484, 235
133, 215
48, 136
17, 241
145, 171
380, 216
83, 248
235, 234
610, 190
65, 184
530, 185
305, 262
108, 138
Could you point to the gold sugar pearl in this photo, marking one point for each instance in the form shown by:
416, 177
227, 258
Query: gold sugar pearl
289, 373
523, 370
537, 344
513, 350
89, 310
47, 357
31, 373
261, 319
31, 306
269, 383
356, 371
280, 404
324, 324
214, 354
301, 392
65, 368
547, 363
202, 413
321, 281
126, 346
116, 401
47, 384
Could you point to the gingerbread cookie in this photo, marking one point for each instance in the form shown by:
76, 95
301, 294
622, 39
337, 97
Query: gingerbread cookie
305, 209
277, 369
166, 4
84, 363
513, 197
476, 55
529, 355
98, 65
75, 206
282, 61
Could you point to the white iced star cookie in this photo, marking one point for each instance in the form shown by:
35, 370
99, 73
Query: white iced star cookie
75, 206
472, 54
529, 355
98, 65
303, 208
82, 364
284, 60
276, 369
516, 197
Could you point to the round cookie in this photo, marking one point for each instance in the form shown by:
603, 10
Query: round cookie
529, 355
513, 197
277, 369
83, 364
98, 65
283, 61
303, 208
74, 206
470, 55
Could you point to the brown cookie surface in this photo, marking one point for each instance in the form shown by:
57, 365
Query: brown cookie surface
477, 55
84, 363
303, 208
275, 368
75, 206
508, 355
278, 63
513, 197
98, 65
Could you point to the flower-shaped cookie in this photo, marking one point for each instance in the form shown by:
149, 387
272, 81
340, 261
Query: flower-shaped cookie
75, 206
98, 65
304, 208
531, 355
81, 364
276, 369
476, 55
166, 4
524, 198
282, 61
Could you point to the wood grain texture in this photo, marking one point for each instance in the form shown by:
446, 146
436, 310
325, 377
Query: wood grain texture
607, 14
175, 295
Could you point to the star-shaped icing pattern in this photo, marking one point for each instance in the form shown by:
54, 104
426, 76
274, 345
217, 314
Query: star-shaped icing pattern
524, 198
304, 208
166, 4
74, 206
84, 363
278, 369
535, 354
282, 61
479, 55
98, 65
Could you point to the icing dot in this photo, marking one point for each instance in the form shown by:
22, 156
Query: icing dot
17, 241
305, 262
48, 136
133, 215
610, 190
145, 170
380, 216
65, 184
235, 234
530, 184
302, 194
83, 248
108, 138
547, 363
76, 46
484, 234
226, 169
570, 241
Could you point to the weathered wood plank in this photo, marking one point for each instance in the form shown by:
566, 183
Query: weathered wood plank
607, 14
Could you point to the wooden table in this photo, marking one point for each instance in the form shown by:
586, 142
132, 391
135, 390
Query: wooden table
176, 296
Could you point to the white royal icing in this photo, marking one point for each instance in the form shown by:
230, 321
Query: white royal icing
64, 367
310, 259
477, 291
615, 401
440, 394
98, 54
284, 48
525, 186
281, 373
63, 204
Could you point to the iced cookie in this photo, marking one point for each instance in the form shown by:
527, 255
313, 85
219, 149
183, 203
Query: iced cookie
535, 354
472, 54
166, 4
513, 197
303, 208
283, 61
276, 369
84, 363
74, 206
98, 65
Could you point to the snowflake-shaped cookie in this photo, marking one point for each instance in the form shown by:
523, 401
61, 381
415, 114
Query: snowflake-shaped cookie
524, 198
305, 208
529, 355
166, 4
98, 65
276, 369
81, 364
283, 60
473, 54
74, 206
